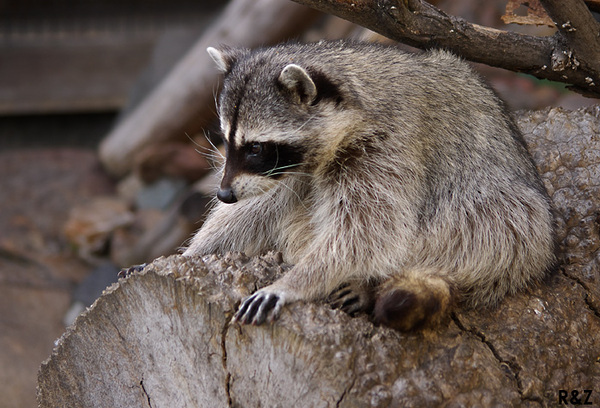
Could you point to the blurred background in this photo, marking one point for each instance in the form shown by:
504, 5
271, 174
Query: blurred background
107, 126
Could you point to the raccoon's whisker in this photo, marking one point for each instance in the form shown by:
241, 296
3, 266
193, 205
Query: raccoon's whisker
276, 169
271, 195
300, 200
209, 155
296, 173
190, 138
304, 124
288, 166
212, 203
206, 150
216, 150
213, 155
212, 160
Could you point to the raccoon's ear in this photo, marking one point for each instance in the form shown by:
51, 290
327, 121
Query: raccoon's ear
223, 58
298, 81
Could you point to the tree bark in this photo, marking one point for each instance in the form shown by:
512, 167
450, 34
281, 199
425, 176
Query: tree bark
418, 23
164, 337
580, 32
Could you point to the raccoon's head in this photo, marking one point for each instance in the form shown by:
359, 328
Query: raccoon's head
271, 112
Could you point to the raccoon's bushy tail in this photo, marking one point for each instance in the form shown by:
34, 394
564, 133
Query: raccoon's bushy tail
413, 300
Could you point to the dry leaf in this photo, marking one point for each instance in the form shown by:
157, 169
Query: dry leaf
536, 15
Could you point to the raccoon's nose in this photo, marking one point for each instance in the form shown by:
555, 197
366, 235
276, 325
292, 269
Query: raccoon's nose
226, 195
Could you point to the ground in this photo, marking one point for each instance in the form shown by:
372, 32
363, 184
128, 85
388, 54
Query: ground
38, 269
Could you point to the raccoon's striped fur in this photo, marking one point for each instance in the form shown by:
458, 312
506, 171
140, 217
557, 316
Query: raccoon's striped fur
393, 182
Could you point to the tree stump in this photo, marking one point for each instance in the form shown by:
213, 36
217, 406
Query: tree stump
164, 337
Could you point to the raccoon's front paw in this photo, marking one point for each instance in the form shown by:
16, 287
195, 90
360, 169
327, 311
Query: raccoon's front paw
262, 305
352, 297
127, 272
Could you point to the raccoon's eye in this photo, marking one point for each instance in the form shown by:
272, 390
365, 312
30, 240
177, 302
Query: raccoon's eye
255, 149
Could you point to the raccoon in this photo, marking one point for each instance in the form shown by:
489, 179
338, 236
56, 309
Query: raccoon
394, 183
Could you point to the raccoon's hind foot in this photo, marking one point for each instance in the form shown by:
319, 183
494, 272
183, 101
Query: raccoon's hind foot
413, 301
353, 297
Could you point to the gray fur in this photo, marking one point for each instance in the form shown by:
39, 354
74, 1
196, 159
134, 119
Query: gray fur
412, 174
294, 77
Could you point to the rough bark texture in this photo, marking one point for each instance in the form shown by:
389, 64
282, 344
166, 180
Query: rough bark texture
570, 56
578, 27
163, 337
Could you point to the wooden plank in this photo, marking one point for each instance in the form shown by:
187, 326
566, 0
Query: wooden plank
70, 74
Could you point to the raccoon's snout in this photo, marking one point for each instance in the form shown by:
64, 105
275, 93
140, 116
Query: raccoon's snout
226, 195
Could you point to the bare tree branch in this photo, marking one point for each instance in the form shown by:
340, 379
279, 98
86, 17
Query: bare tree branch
418, 23
594, 5
579, 29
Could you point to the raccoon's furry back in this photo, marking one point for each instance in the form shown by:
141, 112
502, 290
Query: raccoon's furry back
403, 171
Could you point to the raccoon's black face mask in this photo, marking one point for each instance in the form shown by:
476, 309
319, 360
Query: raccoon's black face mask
259, 165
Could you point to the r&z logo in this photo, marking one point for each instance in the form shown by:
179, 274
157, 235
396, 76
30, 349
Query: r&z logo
575, 397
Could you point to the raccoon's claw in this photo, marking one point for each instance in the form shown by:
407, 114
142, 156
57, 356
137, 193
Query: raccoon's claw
256, 308
351, 298
127, 272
